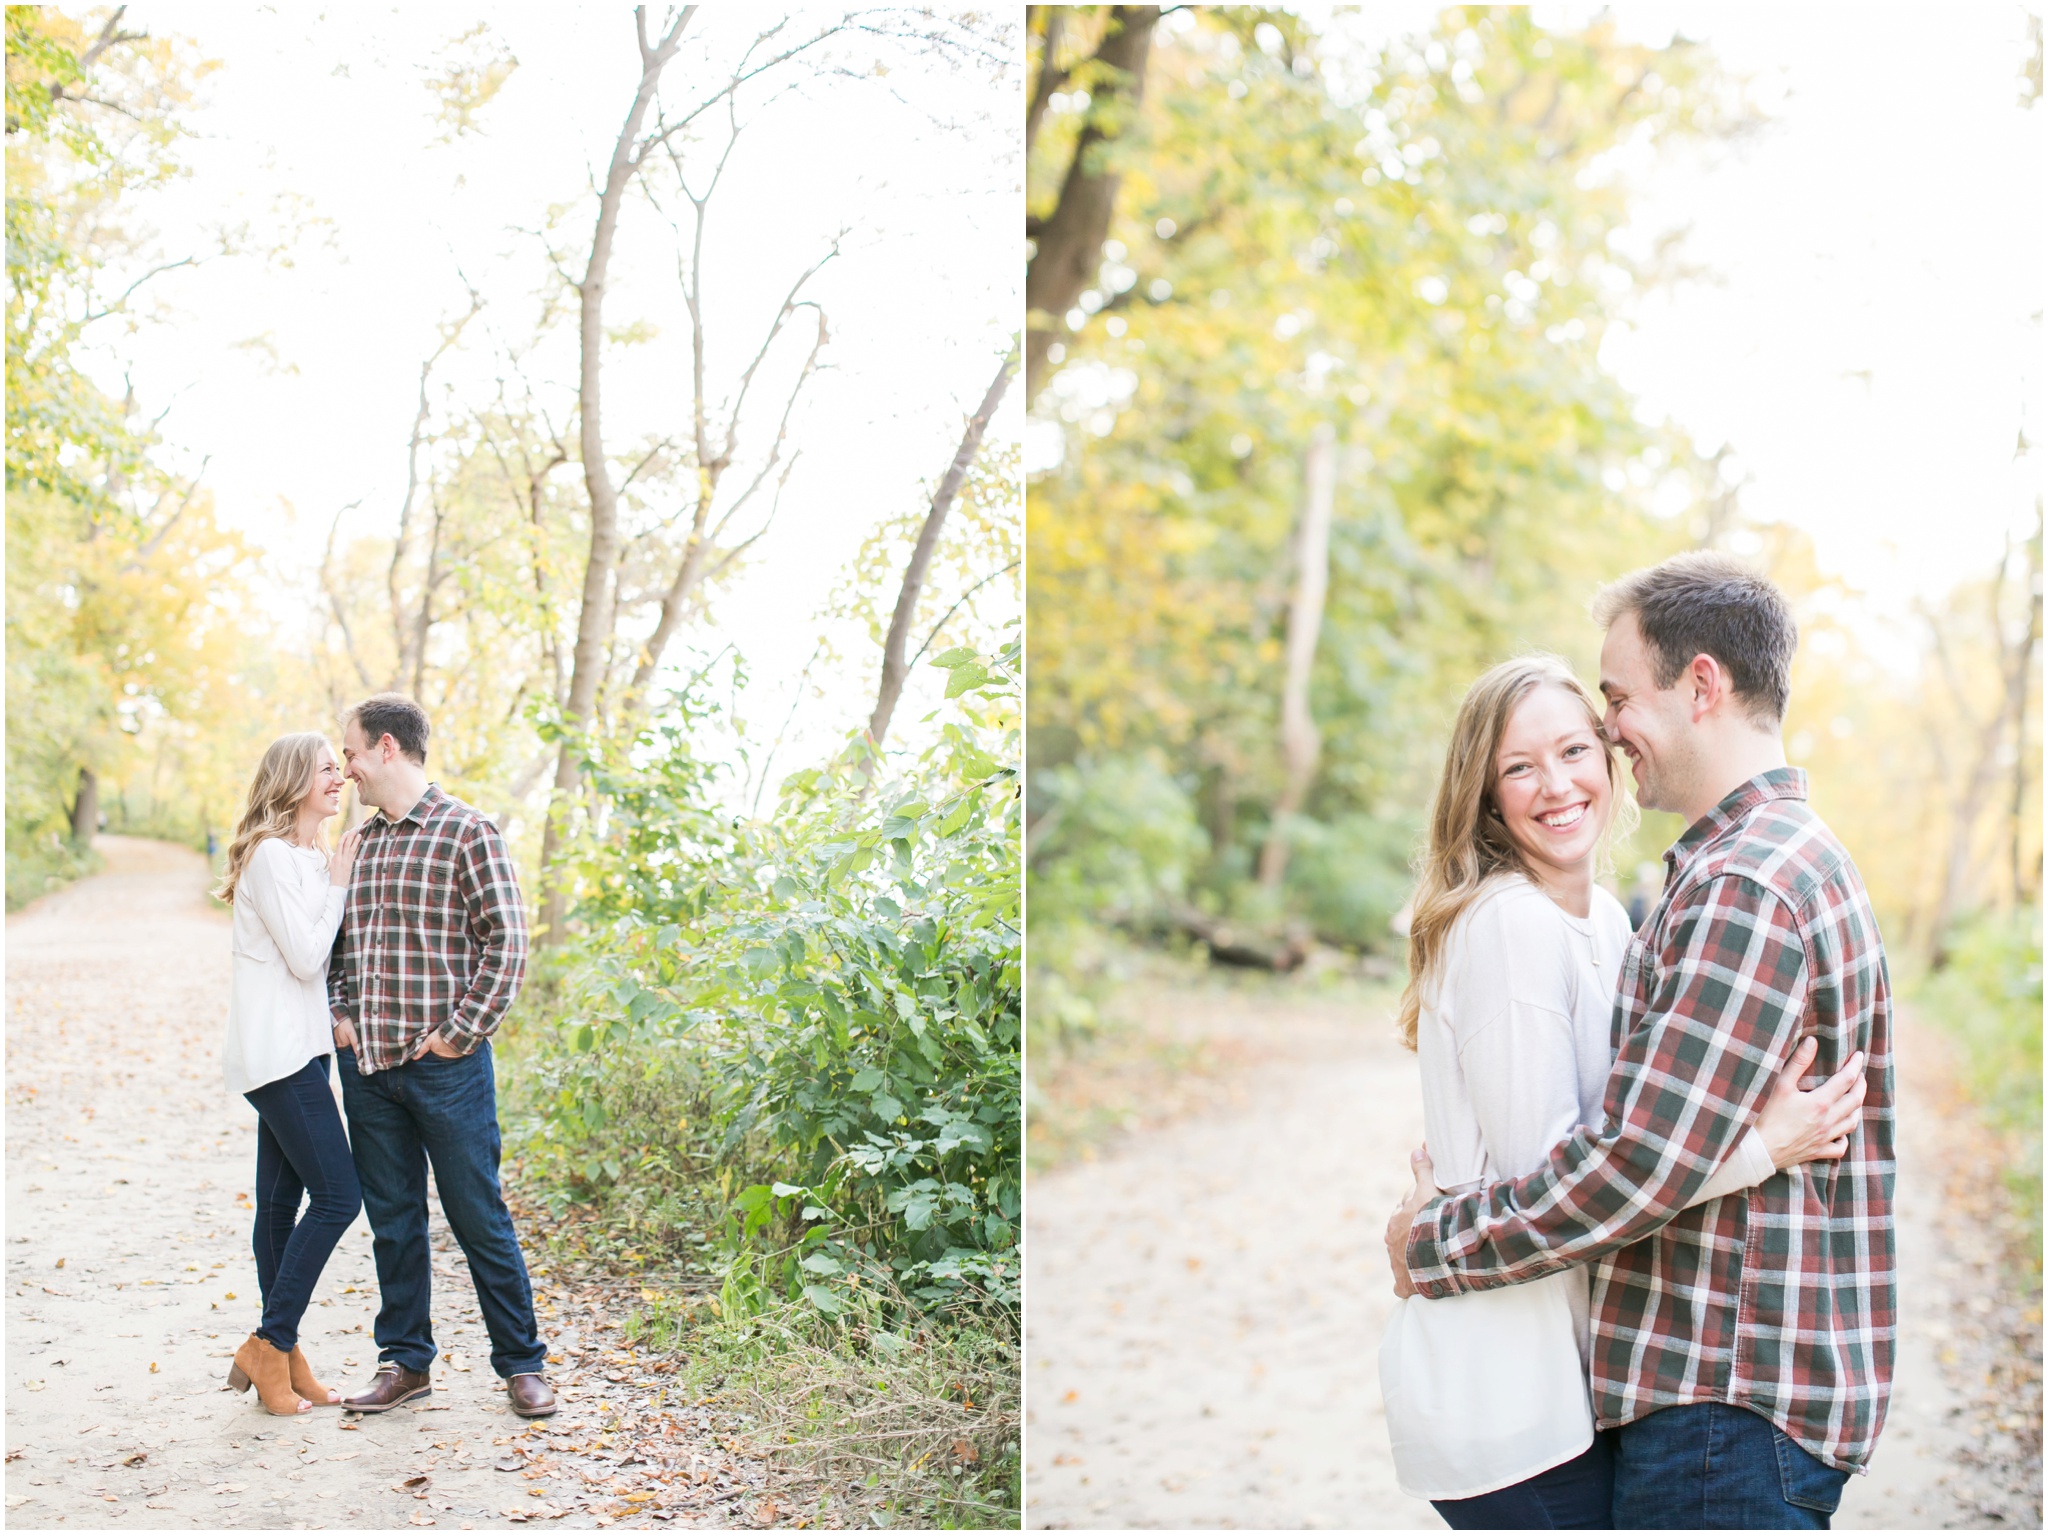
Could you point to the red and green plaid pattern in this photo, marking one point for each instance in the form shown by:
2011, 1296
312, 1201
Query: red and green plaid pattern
1782, 1298
434, 933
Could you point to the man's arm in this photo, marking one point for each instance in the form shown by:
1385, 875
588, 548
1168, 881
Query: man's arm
341, 1002
488, 886
1684, 1089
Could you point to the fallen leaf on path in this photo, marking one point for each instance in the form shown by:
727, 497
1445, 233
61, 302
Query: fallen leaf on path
411, 1484
136, 1459
346, 1454
220, 1487
511, 1462
421, 1517
30, 1385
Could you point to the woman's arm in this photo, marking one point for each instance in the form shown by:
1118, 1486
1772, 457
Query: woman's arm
303, 936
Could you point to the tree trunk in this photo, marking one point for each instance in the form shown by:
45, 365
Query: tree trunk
593, 620
1070, 241
895, 649
85, 810
1300, 742
2016, 657
1050, 76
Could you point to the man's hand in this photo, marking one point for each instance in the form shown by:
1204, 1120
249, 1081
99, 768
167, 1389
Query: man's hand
432, 1044
1816, 1126
344, 1033
1404, 1217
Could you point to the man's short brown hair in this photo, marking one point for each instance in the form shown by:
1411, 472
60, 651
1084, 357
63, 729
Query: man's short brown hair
396, 716
1705, 603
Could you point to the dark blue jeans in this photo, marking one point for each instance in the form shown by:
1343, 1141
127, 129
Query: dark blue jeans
1577, 1495
443, 1114
1709, 1466
300, 1151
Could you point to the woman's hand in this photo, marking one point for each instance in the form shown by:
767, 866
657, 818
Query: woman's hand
1812, 1127
344, 1033
1404, 1216
343, 864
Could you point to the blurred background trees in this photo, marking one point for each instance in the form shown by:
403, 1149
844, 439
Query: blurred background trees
1400, 259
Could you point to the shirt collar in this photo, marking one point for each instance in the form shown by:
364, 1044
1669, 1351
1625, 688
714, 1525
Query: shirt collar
1778, 783
424, 809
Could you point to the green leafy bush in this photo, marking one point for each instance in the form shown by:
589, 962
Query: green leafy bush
1116, 842
822, 1011
1351, 875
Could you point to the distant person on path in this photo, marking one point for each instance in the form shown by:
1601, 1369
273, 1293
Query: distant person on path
287, 894
1515, 955
430, 955
1741, 1349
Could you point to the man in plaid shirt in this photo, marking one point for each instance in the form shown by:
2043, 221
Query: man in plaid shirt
1741, 1349
430, 954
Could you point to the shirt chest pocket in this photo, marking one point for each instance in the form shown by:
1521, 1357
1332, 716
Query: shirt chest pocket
412, 887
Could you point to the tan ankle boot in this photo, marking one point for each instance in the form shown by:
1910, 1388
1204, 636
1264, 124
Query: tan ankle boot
258, 1364
307, 1386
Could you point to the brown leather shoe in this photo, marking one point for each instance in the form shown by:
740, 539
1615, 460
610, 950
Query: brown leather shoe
395, 1384
532, 1396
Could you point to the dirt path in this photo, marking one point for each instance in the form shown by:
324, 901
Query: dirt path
1205, 1303
130, 1281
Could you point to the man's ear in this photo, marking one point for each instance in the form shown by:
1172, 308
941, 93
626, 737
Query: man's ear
1708, 684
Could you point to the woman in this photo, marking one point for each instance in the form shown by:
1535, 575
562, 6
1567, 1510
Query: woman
287, 896
1514, 959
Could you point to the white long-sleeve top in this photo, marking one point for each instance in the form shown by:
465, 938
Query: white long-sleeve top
286, 913
1487, 1389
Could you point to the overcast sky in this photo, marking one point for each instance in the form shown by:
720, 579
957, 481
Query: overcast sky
300, 377
1867, 340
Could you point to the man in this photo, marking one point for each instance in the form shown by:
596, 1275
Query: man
1742, 1349
430, 954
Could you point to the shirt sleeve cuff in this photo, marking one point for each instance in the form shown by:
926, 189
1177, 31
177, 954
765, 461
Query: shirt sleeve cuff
1753, 1155
458, 1032
1428, 1268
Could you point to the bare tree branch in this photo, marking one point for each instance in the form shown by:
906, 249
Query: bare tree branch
895, 668
340, 608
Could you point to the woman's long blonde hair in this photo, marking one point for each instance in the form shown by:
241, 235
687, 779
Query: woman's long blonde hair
1468, 844
283, 779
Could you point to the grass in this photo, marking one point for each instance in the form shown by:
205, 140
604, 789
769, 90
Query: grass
867, 1426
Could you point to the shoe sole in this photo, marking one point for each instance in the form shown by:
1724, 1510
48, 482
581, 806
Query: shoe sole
533, 1412
411, 1396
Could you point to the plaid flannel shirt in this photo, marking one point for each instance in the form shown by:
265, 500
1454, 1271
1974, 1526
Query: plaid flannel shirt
1780, 1298
433, 936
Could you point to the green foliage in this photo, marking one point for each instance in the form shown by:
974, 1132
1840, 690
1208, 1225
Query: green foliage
1988, 999
1411, 248
1113, 842
827, 1002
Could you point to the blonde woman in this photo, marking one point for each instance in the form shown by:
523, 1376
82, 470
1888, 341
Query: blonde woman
1514, 958
287, 893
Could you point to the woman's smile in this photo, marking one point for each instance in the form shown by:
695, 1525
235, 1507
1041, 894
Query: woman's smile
1566, 818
